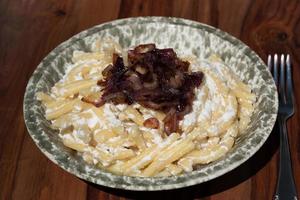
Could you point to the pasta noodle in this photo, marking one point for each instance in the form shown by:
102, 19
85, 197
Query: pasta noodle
115, 138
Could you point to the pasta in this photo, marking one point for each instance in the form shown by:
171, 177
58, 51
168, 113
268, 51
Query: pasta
115, 138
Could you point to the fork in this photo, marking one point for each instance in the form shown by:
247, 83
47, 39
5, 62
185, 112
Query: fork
286, 189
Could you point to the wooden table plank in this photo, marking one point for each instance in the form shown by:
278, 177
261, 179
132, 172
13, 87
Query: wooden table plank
42, 179
31, 29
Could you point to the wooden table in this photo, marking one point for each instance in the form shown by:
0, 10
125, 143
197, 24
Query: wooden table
31, 29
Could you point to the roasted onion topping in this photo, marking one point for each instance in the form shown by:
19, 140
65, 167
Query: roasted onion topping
154, 78
151, 123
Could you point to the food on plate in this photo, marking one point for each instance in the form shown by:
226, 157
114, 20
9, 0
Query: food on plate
147, 111
153, 78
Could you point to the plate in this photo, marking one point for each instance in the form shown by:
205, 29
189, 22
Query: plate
184, 36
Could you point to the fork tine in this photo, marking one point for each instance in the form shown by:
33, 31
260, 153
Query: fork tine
275, 69
289, 81
270, 63
282, 79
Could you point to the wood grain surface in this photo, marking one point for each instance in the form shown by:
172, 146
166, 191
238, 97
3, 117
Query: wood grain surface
29, 29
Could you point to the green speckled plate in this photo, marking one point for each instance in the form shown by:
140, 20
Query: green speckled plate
185, 36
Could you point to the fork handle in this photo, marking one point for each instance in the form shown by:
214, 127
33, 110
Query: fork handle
286, 189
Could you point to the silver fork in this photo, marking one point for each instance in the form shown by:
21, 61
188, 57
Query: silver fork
286, 188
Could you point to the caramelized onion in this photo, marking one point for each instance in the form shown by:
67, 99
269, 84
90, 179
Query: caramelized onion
151, 123
154, 78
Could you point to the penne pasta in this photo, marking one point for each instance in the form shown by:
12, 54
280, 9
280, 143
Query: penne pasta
169, 155
45, 98
134, 115
61, 110
74, 87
